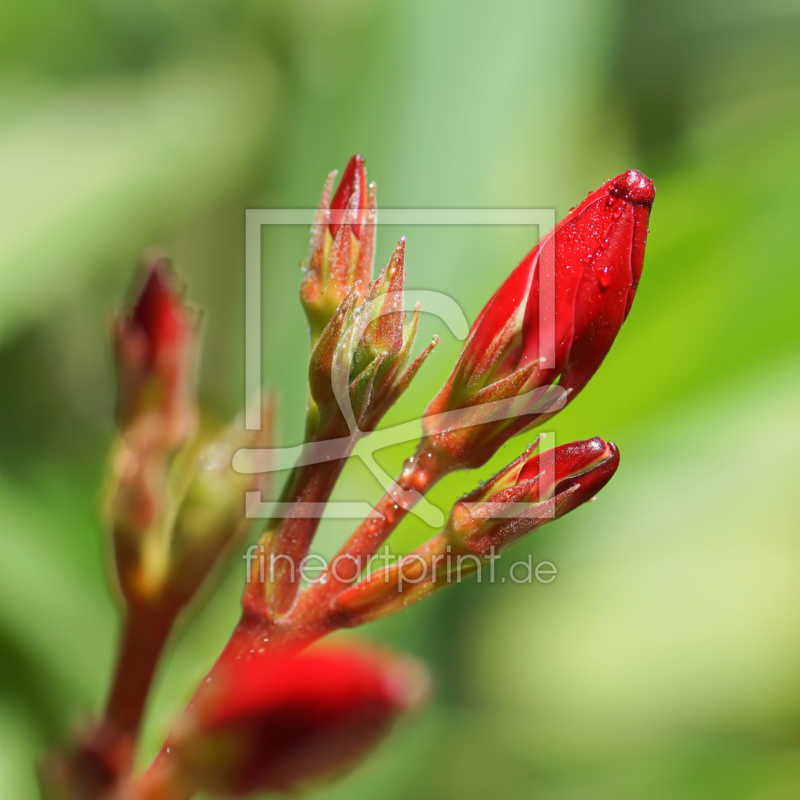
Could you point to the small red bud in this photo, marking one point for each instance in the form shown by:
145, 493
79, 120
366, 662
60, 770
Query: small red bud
544, 486
527, 494
342, 248
155, 341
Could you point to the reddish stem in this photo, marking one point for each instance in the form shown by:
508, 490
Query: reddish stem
289, 543
314, 605
144, 634
260, 627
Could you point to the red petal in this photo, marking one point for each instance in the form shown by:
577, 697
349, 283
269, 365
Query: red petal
353, 180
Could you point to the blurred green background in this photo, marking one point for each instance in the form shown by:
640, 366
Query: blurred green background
664, 660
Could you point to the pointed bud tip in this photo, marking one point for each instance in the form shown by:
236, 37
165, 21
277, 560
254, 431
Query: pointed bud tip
158, 308
352, 188
583, 457
635, 187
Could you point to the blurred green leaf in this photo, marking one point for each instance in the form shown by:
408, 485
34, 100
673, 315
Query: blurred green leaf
95, 172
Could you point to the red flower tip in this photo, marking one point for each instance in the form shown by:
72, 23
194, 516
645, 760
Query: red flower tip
276, 721
569, 460
155, 340
342, 247
352, 188
159, 313
579, 487
635, 188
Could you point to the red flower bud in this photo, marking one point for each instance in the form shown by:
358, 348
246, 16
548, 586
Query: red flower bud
154, 343
360, 365
342, 246
530, 492
591, 262
276, 721
521, 498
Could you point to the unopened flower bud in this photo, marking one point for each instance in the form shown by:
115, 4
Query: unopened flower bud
527, 494
573, 291
274, 722
360, 365
342, 246
533, 490
155, 343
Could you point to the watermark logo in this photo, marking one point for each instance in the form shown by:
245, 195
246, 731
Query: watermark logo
445, 568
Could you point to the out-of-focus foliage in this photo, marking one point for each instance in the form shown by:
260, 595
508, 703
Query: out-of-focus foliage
664, 660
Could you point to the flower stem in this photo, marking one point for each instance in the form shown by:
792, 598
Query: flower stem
145, 632
287, 543
418, 477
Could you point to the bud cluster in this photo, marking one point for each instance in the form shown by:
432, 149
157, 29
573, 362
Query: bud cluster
531, 491
359, 366
271, 715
